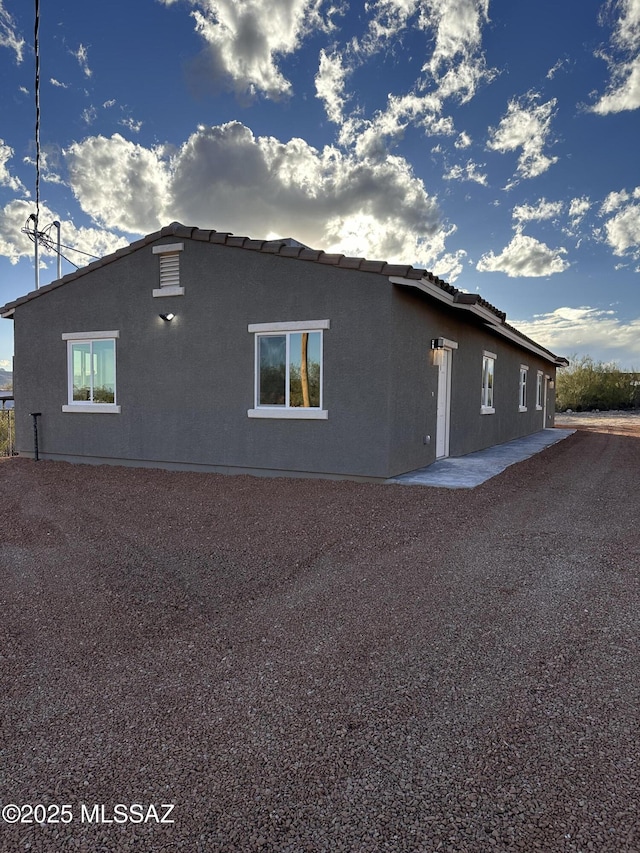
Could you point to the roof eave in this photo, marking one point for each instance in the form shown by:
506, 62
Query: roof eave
529, 345
471, 303
425, 286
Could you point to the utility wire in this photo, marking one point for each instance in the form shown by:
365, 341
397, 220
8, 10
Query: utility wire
48, 242
34, 235
37, 84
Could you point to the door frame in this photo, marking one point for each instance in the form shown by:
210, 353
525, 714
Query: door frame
443, 350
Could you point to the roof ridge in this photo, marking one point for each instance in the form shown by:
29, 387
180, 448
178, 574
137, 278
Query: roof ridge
285, 247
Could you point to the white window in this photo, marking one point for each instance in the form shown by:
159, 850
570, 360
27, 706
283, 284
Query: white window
522, 405
288, 370
539, 391
169, 271
488, 373
91, 372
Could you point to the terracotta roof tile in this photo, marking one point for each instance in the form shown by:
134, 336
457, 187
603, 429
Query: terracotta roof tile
309, 255
219, 236
255, 245
238, 242
372, 266
351, 263
289, 251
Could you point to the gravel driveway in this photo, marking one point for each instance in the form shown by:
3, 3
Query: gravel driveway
305, 665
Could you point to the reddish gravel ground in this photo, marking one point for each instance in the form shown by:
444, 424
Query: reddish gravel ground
305, 665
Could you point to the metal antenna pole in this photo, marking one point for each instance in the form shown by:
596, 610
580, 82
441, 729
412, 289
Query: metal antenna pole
57, 225
37, 254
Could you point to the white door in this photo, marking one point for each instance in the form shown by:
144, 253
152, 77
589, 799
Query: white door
444, 403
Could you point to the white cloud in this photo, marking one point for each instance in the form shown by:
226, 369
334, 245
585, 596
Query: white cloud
578, 208
245, 40
6, 364
458, 29
587, 331
449, 266
131, 124
622, 228
389, 18
615, 200
89, 114
468, 172
121, 185
9, 36
330, 81
463, 140
525, 256
534, 213
6, 178
58, 84
454, 30
82, 55
325, 198
623, 92
561, 63
372, 137
526, 126
49, 162
225, 177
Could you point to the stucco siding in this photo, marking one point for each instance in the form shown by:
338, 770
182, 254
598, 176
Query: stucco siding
418, 319
185, 387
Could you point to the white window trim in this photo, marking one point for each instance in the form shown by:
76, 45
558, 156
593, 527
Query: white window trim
167, 247
291, 326
82, 407
89, 336
484, 409
169, 289
298, 413
539, 390
172, 290
524, 368
92, 408
281, 412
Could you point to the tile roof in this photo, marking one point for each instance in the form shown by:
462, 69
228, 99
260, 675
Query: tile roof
286, 248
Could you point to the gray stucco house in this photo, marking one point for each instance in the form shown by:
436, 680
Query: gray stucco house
202, 350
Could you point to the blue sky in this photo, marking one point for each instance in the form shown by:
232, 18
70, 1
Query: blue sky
492, 142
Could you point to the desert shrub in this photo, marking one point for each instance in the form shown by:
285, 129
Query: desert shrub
587, 385
7, 432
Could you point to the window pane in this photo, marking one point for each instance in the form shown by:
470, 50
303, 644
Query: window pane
104, 371
487, 381
490, 382
81, 367
304, 369
272, 354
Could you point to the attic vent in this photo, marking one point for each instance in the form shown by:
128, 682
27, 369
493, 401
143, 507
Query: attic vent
169, 269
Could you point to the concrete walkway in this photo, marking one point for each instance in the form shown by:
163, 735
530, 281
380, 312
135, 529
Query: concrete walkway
467, 472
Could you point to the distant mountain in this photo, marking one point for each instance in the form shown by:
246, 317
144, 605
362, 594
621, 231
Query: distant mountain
6, 378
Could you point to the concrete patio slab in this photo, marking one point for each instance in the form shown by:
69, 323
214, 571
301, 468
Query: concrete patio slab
467, 472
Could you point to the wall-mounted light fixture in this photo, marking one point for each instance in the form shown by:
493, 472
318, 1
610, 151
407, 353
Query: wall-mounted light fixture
437, 350
167, 317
